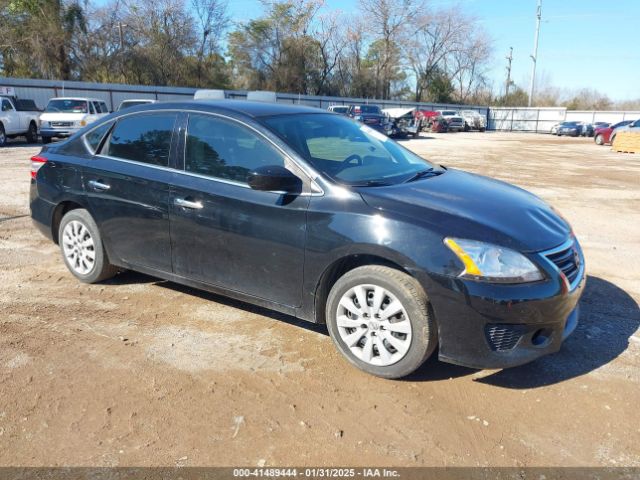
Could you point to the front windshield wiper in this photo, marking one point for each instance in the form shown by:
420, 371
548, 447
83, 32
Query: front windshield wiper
429, 172
371, 183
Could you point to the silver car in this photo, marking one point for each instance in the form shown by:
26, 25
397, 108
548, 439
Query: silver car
632, 127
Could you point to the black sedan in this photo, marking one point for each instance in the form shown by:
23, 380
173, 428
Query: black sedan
315, 215
571, 129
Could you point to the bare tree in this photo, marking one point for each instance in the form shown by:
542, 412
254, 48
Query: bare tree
387, 20
212, 21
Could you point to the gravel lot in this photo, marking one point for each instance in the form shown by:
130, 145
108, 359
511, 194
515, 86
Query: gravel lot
138, 371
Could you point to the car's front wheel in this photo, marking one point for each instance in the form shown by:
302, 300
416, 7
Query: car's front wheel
379, 318
82, 249
599, 139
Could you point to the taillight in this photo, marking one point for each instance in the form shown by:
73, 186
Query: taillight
36, 162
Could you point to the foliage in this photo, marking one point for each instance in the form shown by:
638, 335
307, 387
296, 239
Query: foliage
389, 49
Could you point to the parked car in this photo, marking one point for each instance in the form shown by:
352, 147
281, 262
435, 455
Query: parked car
64, 116
454, 121
403, 122
602, 135
600, 125
341, 109
311, 214
432, 121
630, 127
586, 129
134, 102
572, 129
18, 118
554, 129
473, 120
372, 116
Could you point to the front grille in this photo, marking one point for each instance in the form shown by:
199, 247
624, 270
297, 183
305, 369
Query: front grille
503, 337
568, 261
61, 124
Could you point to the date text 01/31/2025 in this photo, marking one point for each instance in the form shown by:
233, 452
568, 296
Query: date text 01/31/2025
316, 472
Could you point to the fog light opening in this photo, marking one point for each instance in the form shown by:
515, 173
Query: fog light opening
541, 337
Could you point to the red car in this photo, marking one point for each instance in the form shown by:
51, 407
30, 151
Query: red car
601, 135
431, 121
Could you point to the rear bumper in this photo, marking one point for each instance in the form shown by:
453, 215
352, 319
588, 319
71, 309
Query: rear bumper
482, 325
41, 212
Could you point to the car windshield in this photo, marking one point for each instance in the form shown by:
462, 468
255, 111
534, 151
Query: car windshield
67, 106
346, 151
449, 113
367, 109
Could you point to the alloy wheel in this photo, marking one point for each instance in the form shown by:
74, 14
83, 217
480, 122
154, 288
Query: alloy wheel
78, 247
374, 325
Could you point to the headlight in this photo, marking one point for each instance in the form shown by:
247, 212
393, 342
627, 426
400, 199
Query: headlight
358, 118
492, 263
82, 123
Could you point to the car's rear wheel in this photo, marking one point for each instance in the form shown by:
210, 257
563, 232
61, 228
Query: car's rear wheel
82, 249
599, 139
32, 133
3, 136
379, 319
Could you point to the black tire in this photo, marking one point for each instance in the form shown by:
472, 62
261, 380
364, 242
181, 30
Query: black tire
3, 136
101, 269
599, 139
46, 140
410, 294
483, 129
466, 127
32, 133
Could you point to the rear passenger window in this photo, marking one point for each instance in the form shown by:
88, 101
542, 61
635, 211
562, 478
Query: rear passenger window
95, 136
142, 138
225, 149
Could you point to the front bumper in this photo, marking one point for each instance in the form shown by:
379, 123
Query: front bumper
55, 132
483, 325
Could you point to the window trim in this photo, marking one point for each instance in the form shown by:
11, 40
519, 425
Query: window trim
315, 189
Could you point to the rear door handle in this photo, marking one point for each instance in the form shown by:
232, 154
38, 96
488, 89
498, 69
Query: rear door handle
98, 185
182, 202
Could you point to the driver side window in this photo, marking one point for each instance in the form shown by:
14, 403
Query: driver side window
225, 149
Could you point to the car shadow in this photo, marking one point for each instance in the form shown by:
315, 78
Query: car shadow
609, 316
421, 137
133, 278
11, 143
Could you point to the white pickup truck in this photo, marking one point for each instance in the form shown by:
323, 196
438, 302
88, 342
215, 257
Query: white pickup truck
18, 118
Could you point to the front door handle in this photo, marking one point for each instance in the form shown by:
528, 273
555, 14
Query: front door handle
182, 202
98, 185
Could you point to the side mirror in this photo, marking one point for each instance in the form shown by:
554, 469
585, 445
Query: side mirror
274, 178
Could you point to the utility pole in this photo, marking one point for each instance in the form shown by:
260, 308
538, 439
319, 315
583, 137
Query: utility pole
121, 36
534, 57
509, 59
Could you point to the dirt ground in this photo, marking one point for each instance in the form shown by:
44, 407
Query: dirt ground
137, 371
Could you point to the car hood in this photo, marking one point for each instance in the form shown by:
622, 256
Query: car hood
62, 117
466, 205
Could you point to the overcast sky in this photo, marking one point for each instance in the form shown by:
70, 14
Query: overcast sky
583, 43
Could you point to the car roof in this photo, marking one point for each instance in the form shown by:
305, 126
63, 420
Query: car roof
250, 109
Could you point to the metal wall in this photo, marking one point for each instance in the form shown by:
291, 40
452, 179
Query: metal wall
498, 118
42, 90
